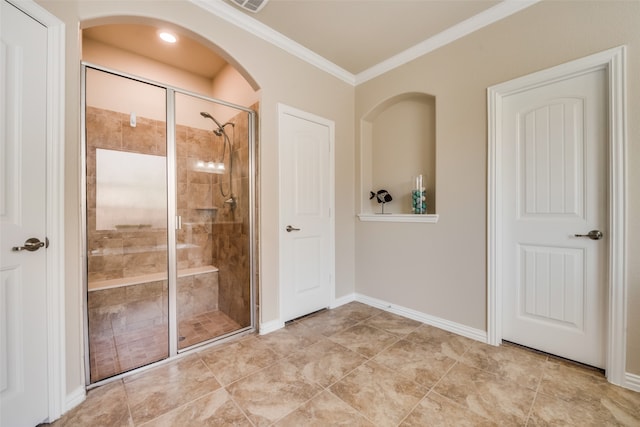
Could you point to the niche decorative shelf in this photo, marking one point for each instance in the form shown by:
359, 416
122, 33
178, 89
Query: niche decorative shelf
428, 218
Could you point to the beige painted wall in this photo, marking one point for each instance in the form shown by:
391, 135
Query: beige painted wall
440, 269
99, 53
280, 77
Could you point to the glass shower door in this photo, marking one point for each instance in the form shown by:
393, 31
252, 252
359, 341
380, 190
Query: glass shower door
214, 296
126, 223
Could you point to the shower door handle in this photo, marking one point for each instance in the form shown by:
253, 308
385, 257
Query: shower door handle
290, 229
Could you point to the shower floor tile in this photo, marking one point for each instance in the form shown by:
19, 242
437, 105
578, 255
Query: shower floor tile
204, 327
113, 351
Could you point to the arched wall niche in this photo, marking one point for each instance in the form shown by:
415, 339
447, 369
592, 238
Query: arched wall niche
398, 142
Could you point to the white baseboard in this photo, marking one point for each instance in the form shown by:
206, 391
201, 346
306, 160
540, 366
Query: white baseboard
343, 300
75, 398
271, 326
447, 325
632, 382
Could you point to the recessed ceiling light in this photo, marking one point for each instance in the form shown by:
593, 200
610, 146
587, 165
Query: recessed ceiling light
168, 37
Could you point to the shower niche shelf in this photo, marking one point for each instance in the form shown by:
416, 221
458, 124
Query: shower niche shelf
398, 143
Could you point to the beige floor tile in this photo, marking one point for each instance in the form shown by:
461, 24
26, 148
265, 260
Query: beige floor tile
329, 322
324, 410
451, 344
324, 325
551, 411
380, 394
569, 382
423, 363
273, 392
213, 409
285, 341
584, 386
355, 311
364, 339
310, 373
157, 391
325, 362
509, 362
622, 401
486, 394
231, 362
438, 411
393, 323
104, 406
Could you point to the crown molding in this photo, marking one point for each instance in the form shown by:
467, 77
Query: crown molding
451, 34
235, 17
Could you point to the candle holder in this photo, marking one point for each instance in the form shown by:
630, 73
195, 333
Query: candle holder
419, 197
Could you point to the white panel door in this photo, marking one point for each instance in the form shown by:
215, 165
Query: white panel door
306, 203
23, 293
554, 185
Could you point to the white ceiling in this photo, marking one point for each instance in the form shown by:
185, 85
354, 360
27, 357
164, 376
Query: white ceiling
353, 39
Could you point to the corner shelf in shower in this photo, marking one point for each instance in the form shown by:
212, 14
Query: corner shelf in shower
98, 285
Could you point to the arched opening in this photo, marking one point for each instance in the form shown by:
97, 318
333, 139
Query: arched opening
169, 160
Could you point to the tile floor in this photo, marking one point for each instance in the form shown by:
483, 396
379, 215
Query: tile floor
113, 352
205, 326
360, 366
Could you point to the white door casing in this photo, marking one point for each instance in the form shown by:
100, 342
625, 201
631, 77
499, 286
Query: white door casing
306, 209
554, 170
32, 365
612, 65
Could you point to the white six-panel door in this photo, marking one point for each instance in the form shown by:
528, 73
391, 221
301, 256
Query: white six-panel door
306, 253
554, 185
23, 291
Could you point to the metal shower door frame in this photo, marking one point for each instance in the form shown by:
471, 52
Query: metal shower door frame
172, 222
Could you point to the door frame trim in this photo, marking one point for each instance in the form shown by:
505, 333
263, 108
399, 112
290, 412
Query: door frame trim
286, 109
55, 130
613, 61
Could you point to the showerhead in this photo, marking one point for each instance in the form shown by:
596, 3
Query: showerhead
220, 129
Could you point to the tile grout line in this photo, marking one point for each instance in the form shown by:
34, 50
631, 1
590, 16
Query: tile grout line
535, 396
322, 390
126, 394
240, 408
349, 405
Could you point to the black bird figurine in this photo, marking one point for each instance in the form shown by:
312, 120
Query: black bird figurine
382, 196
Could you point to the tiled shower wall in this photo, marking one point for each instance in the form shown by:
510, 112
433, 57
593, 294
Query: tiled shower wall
116, 254
213, 232
231, 252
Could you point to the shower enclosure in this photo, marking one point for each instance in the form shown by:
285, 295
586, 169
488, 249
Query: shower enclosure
169, 198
